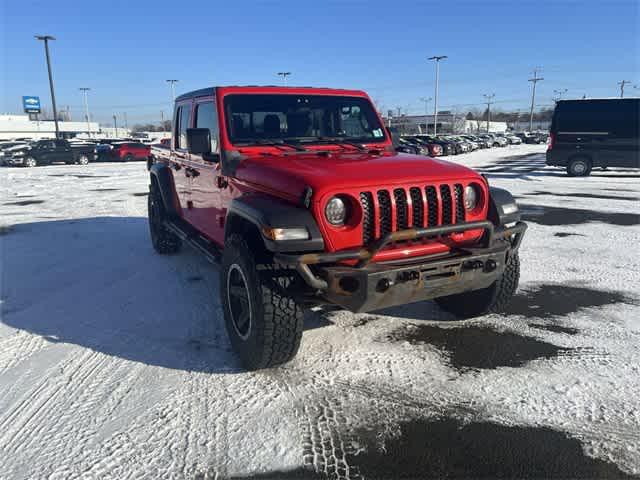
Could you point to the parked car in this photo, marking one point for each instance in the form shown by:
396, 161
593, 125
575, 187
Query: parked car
426, 147
44, 152
7, 146
129, 151
405, 146
595, 133
300, 213
480, 142
513, 139
529, 138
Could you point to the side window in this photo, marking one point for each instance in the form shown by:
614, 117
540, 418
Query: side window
182, 116
60, 143
207, 117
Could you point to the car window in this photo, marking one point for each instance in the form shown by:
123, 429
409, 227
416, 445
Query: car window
207, 117
60, 143
183, 115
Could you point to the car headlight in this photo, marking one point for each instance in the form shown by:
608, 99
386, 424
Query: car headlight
471, 197
335, 211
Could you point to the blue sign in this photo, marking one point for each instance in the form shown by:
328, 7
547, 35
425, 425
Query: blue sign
31, 104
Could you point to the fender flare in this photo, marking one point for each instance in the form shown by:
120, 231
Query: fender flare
164, 179
503, 208
266, 212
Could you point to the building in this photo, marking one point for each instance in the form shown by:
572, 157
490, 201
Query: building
448, 122
19, 126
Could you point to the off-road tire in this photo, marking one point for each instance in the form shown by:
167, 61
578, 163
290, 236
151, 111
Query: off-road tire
30, 162
275, 319
164, 241
82, 159
493, 299
579, 167
128, 158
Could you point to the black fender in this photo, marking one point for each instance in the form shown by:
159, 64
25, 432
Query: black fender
164, 179
264, 211
503, 208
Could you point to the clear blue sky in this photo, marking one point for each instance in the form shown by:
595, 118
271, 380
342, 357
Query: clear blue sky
124, 51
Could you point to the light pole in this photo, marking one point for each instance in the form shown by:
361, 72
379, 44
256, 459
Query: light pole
84, 91
533, 80
284, 76
426, 112
115, 126
162, 120
172, 82
437, 59
45, 39
489, 102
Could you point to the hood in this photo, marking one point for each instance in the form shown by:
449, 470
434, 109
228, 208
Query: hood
289, 174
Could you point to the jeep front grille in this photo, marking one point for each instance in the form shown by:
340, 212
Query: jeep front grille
429, 206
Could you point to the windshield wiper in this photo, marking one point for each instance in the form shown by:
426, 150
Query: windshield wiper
278, 144
341, 141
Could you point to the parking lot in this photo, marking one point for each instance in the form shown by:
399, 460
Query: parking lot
114, 361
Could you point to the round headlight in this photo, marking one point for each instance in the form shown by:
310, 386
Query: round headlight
470, 197
335, 211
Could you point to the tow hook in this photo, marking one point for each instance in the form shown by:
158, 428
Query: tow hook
490, 266
473, 265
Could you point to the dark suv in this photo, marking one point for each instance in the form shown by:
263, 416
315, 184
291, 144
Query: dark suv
301, 197
595, 133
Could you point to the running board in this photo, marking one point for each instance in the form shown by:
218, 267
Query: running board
200, 243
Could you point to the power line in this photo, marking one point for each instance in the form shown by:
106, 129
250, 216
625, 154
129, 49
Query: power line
534, 80
622, 84
489, 102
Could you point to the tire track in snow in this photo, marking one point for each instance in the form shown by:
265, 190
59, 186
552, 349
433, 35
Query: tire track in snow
19, 347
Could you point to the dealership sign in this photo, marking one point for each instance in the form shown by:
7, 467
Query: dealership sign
31, 104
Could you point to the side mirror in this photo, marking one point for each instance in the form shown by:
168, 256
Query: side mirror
198, 141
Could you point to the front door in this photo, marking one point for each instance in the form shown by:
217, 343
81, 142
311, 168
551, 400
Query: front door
180, 156
206, 189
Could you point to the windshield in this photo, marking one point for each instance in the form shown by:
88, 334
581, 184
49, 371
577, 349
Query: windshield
256, 119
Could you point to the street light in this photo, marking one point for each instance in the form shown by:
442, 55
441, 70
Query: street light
437, 59
45, 39
489, 102
426, 112
284, 76
173, 89
115, 127
84, 91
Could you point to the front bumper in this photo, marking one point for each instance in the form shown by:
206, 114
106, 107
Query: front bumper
14, 161
370, 286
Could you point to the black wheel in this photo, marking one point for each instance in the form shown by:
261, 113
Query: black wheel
264, 324
491, 299
30, 162
164, 241
82, 159
579, 167
128, 158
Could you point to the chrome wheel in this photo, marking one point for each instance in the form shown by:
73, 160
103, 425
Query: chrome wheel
239, 302
30, 162
83, 160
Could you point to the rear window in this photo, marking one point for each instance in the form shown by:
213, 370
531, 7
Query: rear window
615, 117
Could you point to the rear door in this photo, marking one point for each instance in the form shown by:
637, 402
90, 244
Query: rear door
61, 152
625, 132
206, 192
180, 156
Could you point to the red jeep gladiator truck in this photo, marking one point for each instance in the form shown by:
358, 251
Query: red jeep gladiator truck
300, 196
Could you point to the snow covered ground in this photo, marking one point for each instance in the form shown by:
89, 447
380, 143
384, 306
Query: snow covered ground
114, 362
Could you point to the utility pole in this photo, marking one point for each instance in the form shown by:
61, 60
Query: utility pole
489, 102
172, 82
162, 120
534, 80
426, 112
435, 104
284, 76
84, 91
622, 84
45, 39
559, 94
115, 126
124, 114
